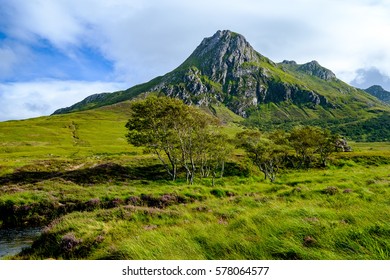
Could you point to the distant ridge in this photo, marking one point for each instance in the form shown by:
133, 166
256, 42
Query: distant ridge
379, 93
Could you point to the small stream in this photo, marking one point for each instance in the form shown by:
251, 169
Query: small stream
12, 241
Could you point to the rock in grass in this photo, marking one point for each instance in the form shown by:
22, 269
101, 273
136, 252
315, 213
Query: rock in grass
309, 241
330, 190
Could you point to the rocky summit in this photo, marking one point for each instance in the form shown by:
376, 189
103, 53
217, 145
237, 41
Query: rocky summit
221, 56
225, 68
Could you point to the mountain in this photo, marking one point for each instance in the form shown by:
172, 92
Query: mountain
379, 93
225, 70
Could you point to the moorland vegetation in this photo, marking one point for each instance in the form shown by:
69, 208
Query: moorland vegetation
100, 198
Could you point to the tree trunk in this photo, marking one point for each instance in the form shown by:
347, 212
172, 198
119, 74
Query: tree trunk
192, 172
174, 172
222, 168
171, 173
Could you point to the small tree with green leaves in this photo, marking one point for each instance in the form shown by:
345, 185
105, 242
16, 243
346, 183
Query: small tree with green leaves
327, 144
151, 125
213, 154
264, 153
178, 134
304, 140
309, 141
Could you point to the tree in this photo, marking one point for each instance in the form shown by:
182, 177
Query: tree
151, 125
304, 140
178, 134
327, 144
308, 141
193, 132
264, 153
213, 154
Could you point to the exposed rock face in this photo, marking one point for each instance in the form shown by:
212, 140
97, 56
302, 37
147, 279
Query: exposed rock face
227, 69
287, 92
315, 69
221, 56
191, 86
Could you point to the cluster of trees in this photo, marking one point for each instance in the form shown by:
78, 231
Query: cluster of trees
181, 136
184, 137
299, 148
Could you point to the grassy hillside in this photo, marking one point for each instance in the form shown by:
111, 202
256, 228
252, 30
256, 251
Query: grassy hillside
93, 133
65, 136
100, 198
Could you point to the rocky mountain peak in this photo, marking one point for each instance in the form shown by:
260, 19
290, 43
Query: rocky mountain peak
289, 62
315, 69
223, 53
225, 42
225, 68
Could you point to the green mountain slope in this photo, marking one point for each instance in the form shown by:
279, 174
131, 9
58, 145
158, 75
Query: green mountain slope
225, 69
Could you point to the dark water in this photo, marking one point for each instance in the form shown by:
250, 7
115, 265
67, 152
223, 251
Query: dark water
12, 241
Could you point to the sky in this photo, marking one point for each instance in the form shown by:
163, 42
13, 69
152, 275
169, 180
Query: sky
54, 53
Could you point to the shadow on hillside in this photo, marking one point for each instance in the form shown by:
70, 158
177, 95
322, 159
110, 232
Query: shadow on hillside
104, 173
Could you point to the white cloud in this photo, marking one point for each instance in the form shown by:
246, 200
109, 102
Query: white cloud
148, 38
364, 78
145, 38
12, 57
48, 20
32, 99
8, 60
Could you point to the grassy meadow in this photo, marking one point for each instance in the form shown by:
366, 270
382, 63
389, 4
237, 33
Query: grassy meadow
101, 198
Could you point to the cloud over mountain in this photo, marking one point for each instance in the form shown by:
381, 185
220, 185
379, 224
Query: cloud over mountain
133, 41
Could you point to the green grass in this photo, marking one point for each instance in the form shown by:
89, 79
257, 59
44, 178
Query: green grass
101, 198
241, 218
71, 136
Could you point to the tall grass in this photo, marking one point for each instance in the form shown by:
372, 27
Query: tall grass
317, 214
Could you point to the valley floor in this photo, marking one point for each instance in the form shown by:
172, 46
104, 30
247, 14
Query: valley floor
122, 207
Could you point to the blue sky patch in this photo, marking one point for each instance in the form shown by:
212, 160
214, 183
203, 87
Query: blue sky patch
69, 64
